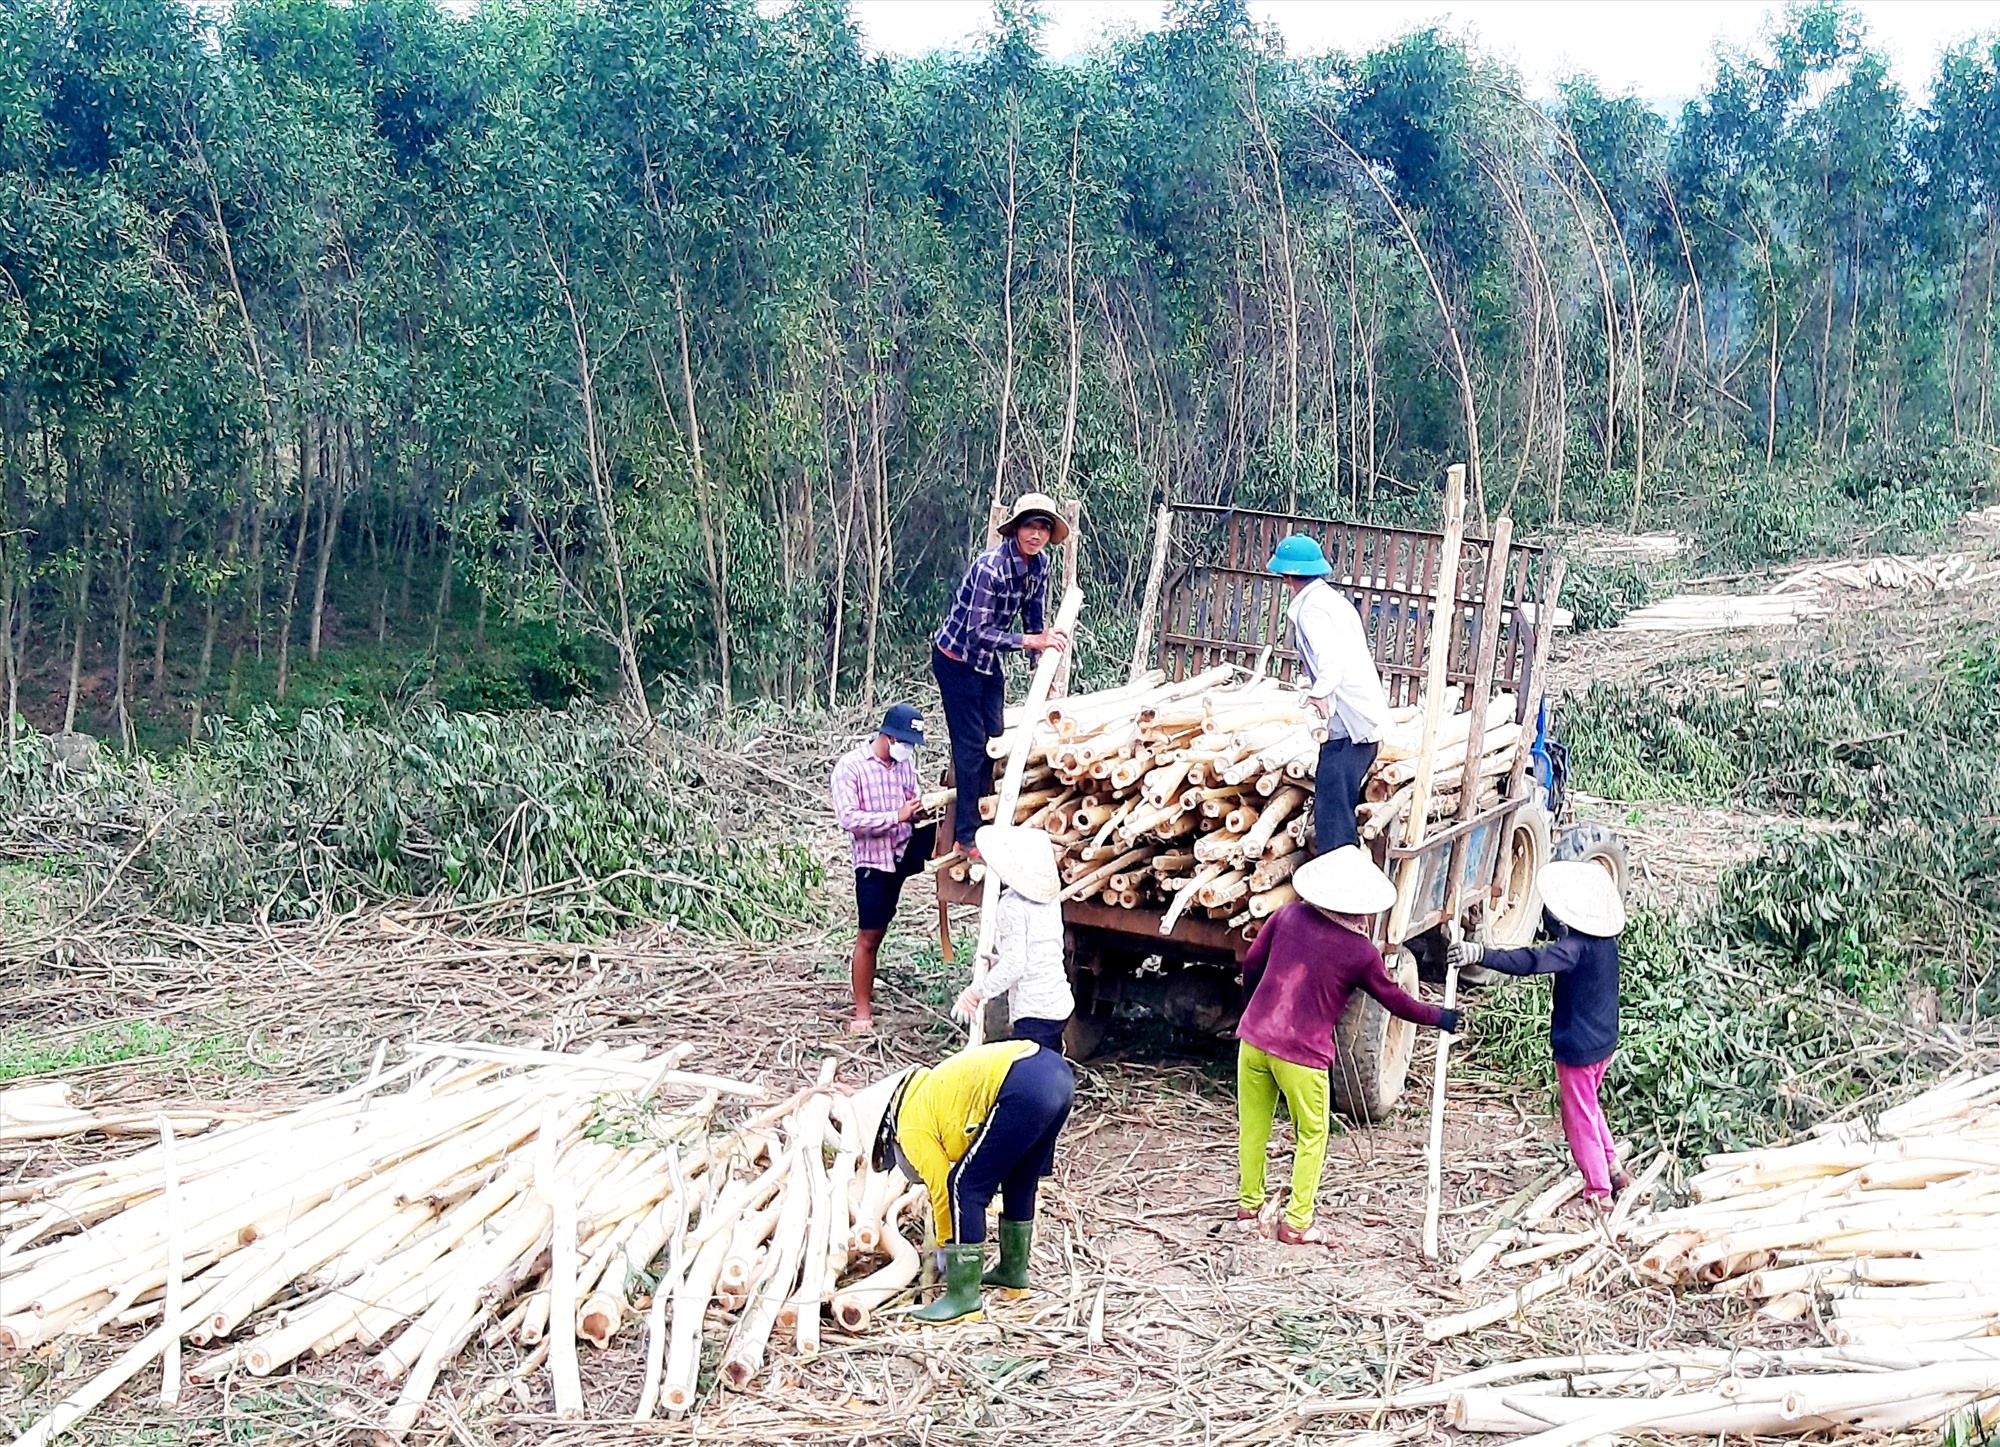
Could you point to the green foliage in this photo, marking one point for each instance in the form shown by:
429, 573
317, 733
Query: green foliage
563, 822
1884, 879
678, 331
1599, 597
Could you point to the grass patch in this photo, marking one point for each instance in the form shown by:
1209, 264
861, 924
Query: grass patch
127, 1042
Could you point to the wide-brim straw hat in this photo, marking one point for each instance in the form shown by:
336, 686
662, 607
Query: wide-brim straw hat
1583, 896
1344, 881
867, 1107
1036, 504
1025, 860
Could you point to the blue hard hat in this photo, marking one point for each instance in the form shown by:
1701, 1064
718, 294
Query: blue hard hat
1300, 556
904, 724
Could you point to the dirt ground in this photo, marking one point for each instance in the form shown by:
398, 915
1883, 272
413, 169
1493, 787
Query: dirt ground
1152, 1319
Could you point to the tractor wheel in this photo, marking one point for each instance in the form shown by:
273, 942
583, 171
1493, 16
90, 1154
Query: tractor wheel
1518, 914
1372, 1055
1597, 844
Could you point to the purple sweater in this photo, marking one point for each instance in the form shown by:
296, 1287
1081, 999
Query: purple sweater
1298, 976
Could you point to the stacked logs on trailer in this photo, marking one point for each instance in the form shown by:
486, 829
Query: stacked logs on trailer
1197, 795
475, 1194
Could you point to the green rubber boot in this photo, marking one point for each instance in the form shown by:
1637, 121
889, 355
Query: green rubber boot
960, 1301
1017, 1241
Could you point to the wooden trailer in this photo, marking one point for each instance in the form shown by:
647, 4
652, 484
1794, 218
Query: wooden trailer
1209, 600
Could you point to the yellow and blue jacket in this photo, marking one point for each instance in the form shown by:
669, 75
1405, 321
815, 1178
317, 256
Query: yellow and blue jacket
944, 1107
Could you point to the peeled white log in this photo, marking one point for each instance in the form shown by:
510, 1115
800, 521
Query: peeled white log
855, 1305
811, 1293
170, 1367
563, 1374
690, 1298
1514, 1302
744, 1357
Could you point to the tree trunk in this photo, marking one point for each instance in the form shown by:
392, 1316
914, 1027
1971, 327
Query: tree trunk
1291, 301
1007, 326
714, 535
159, 674
1068, 449
8, 673
1444, 311
122, 672
1771, 408
296, 564
208, 630
329, 526
76, 643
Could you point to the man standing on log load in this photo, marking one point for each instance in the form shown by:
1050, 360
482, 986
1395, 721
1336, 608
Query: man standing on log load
1342, 685
1009, 579
875, 799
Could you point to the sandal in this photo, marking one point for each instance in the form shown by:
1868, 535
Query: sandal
1311, 1236
1250, 1223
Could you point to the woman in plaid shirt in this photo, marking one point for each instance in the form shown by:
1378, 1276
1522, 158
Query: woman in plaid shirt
1005, 581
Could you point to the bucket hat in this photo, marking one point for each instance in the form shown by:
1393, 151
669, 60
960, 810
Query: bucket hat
1036, 504
1299, 556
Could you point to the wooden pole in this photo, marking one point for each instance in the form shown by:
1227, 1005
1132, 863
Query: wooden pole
1538, 667
1444, 612
171, 1302
1434, 1147
1163, 531
1072, 558
1010, 792
1444, 623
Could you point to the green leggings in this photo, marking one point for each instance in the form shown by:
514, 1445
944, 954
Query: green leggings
1260, 1078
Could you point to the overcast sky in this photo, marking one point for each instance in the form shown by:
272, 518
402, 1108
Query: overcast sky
1658, 49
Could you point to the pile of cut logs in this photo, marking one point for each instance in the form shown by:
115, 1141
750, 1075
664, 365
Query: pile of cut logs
1197, 795
473, 1192
1885, 1235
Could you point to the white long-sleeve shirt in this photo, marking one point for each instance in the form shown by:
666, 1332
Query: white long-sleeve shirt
1028, 939
1334, 648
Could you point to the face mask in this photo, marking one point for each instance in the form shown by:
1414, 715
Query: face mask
901, 752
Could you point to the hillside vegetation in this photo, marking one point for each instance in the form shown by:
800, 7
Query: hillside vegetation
660, 340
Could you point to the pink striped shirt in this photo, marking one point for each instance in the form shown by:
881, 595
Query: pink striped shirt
867, 795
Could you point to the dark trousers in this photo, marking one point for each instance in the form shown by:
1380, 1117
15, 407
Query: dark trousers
974, 711
1343, 770
1016, 1146
1045, 1033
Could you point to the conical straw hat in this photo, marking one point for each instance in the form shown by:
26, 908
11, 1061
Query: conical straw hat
1583, 896
1344, 881
1024, 859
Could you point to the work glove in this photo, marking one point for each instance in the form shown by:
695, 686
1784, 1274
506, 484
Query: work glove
1448, 1021
1464, 953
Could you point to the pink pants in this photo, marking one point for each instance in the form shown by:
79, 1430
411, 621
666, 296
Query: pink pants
1583, 1122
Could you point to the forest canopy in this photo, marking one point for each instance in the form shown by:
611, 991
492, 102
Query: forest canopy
682, 339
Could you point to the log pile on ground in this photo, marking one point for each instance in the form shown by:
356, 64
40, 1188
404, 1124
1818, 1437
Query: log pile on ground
1197, 795
1883, 1233
474, 1193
